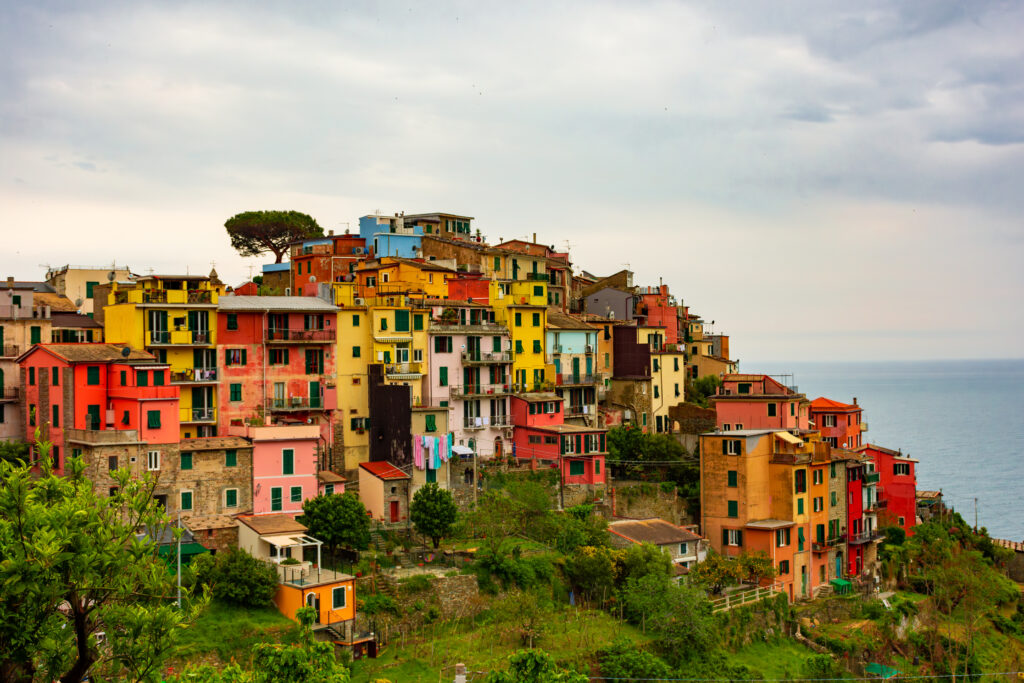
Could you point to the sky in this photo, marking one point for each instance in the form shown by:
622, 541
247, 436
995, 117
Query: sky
824, 180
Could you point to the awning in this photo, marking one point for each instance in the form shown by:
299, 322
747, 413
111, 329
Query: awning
187, 550
786, 436
392, 339
283, 541
880, 670
462, 450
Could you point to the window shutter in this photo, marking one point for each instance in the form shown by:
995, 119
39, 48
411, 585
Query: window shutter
243, 357
725, 447
739, 537
725, 537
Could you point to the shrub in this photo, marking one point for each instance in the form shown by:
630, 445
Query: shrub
822, 666
237, 577
416, 584
624, 660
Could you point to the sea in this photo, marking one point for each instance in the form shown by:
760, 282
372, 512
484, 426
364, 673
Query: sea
963, 420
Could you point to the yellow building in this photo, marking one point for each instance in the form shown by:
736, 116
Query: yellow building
391, 275
174, 317
521, 306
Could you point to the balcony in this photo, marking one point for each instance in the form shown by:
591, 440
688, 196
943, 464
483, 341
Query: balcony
199, 297
296, 403
577, 411
102, 437
830, 542
483, 358
876, 505
178, 338
300, 336
871, 478
569, 379
191, 415
403, 371
863, 426
478, 423
10, 351
194, 376
865, 537
8, 394
538, 277
455, 327
144, 393
457, 391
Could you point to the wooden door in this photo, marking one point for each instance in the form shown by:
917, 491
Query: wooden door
394, 511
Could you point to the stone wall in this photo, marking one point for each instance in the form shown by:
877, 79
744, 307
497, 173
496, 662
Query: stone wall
641, 500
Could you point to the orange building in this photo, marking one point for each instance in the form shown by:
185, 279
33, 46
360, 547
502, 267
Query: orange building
840, 424
768, 490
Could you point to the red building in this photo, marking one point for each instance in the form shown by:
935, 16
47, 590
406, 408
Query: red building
840, 424
96, 387
471, 287
897, 486
656, 308
759, 402
327, 259
542, 439
276, 361
855, 516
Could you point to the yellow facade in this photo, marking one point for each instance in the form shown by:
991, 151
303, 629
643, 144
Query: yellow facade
522, 307
352, 358
403, 275
668, 379
175, 319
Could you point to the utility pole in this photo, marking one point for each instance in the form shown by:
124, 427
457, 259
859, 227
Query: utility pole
475, 482
179, 558
975, 514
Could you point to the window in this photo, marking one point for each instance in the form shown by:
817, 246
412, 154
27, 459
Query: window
901, 468
55, 418
287, 461
232, 321
743, 388
818, 476
799, 506
111, 463
338, 598
31, 377
279, 356
902, 521
730, 446
234, 357
186, 500
537, 348
733, 537
230, 498
153, 419
655, 391
142, 378
186, 461
734, 509
800, 539
576, 468
832, 470
828, 421
442, 344
231, 458
819, 504
158, 378
536, 319
314, 361
32, 415
782, 538
784, 567
296, 494
401, 321
800, 481
597, 466
328, 489
126, 417
355, 320
89, 288
677, 390
153, 460
443, 375
519, 346
497, 263
55, 377
36, 334
92, 375
431, 423
643, 419
275, 499
236, 392
732, 478
772, 409
834, 498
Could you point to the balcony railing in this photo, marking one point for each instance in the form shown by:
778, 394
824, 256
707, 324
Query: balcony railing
198, 414
10, 351
569, 379
538, 277
864, 537
576, 411
453, 326
102, 436
403, 370
9, 393
486, 357
876, 505
863, 426
871, 478
296, 403
300, 336
830, 542
153, 296
457, 391
179, 337
191, 375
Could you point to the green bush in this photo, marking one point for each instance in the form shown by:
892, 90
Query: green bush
822, 666
625, 660
416, 584
236, 577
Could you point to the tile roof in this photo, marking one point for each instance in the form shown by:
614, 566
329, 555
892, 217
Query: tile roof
268, 525
822, 403
61, 319
328, 477
537, 396
561, 321
653, 530
204, 522
1009, 545
567, 429
769, 524
383, 470
273, 303
214, 443
55, 301
95, 353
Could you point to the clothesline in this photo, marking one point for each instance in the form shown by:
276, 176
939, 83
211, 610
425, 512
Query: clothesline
430, 452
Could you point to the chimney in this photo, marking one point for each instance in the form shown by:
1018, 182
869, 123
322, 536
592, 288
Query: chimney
854, 400
330, 233
534, 238
10, 282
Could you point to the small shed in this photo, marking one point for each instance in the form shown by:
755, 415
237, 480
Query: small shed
384, 490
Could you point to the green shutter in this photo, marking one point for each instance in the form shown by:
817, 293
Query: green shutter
186, 500
244, 359
799, 506
576, 468
288, 461
733, 478
92, 375
142, 378
231, 458
417, 322
153, 419
36, 333
401, 321
734, 508
597, 466
519, 319
443, 375
356, 351
55, 420
236, 392
232, 321
231, 498
536, 319
275, 498
296, 496
158, 378
496, 344
431, 423
431, 476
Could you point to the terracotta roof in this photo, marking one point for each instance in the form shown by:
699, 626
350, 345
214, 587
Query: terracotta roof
204, 522
383, 470
822, 403
273, 303
567, 429
61, 319
95, 353
769, 524
328, 477
56, 302
214, 443
561, 321
929, 495
653, 530
538, 396
268, 525
1010, 545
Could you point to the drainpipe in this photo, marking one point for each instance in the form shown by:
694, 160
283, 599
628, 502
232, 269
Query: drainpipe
266, 329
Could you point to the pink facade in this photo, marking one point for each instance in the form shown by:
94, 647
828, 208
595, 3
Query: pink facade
543, 440
759, 402
840, 424
284, 467
276, 364
657, 309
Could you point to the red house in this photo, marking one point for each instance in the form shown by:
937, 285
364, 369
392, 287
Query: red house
276, 355
471, 287
542, 439
96, 387
324, 260
897, 486
656, 308
758, 402
840, 424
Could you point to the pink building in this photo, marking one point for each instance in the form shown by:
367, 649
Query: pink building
759, 402
655, 307
470, 372
285, 467
542, 439
277, 361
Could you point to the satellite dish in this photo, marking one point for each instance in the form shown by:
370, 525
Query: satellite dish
312, 278
110, 276
126, 351
78, 302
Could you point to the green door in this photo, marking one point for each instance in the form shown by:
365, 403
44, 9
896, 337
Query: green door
92, 417
315, 400
576, 370
590, 365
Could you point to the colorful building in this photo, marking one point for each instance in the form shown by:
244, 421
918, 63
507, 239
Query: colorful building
391, 236
22, 324
897, 486
556, 265
354, 354
655, 307
747, 401
393, 275
174, 317
862, 505
276, 357
668, 375
384, 490
75, 388
79, 284
840, 424
285, 467
629, 395
429, 425
572, 348
324, 260
470, 372
542, 439
521, 306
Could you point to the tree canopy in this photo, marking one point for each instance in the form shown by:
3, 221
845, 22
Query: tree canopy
340, 521
433, 512
74, 566
255, 232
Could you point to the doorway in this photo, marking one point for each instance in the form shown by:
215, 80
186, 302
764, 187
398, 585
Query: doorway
313, 600
394, 511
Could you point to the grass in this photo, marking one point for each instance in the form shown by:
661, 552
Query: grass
777, 659
512, 541
225, 632
571, 635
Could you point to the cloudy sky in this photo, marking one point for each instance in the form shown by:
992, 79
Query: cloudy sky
824, 180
